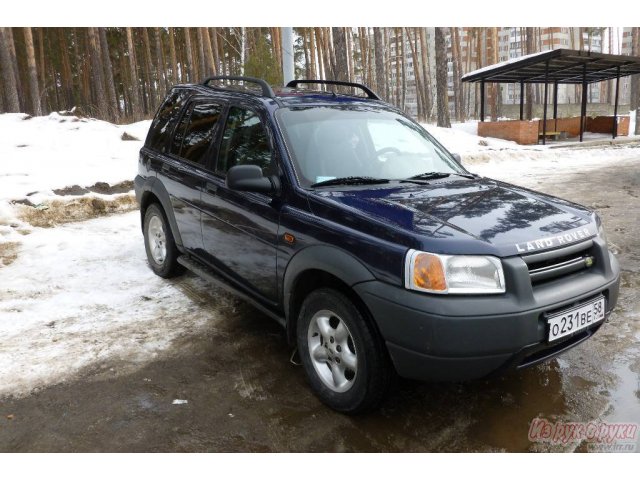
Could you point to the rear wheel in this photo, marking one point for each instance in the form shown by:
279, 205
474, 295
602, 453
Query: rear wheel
161, 249
344, 359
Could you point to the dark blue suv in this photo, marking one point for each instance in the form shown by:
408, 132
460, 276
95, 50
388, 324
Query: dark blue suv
345, 221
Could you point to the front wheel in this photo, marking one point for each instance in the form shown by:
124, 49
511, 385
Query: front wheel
344, 359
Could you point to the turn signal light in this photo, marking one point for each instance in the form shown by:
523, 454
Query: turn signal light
428, 272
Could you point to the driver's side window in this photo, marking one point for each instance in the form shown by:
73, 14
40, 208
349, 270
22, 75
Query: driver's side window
244, 142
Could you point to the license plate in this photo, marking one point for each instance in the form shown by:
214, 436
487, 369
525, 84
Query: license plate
576, 319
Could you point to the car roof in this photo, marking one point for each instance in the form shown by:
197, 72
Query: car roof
285, 96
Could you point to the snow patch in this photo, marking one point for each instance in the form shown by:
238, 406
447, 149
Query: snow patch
40, 154
82, 294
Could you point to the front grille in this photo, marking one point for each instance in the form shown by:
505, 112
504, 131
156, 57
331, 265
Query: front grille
554, 264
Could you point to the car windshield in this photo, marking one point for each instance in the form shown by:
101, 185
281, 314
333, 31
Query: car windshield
340, 142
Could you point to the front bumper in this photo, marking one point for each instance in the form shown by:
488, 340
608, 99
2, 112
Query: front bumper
451, 338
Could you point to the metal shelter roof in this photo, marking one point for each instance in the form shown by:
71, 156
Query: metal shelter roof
558, 66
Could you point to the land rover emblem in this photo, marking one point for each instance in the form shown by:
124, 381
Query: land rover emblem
566, 238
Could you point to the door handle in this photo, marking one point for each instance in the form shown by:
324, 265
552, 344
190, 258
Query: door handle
211, 188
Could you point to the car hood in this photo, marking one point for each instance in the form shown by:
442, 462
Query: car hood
495, 213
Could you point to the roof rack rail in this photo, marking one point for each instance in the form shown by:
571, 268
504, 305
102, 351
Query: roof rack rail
266, 89
367, 90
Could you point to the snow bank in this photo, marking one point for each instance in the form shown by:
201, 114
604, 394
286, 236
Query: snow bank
39, 154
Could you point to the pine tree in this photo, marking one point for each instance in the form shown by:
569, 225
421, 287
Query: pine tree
33, 73
441, 78
381, 80
8, 75
340, 48
133, 77
528, 108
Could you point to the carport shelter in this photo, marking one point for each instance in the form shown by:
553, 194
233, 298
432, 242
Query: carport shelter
560, 66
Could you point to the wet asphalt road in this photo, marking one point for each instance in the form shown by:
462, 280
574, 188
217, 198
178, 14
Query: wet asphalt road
244, 395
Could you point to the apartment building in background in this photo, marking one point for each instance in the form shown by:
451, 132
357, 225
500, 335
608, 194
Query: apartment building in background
477, 50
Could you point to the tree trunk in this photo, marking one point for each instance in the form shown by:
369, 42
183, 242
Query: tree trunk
528, 108
8, 34
208, 51
378, 45
173, 57
150, 75
214, 47
350, 60
160, 67
307, 56
441, 78
419, 88
426, 74
398, 67
274, 32
190, 65
403, 92
97, 74
332, 53
133, 77
324, 56
65, 74
312, 53
8, 76
201, 57
457, 73
42, 70
107, 67
494, 86
340, 51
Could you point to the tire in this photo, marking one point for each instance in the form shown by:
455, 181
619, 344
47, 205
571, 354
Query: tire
345, 360
162, 253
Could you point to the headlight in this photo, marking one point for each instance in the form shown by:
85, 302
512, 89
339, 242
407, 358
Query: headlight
471, 274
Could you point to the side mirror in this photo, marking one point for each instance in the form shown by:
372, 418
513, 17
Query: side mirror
457, 157
248, 178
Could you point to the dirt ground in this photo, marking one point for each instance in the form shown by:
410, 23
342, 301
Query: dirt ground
244, 394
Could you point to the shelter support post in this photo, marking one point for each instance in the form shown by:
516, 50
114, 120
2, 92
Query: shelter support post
583, 110
546, 98
555, 106
521, 99
614, 129
482, 101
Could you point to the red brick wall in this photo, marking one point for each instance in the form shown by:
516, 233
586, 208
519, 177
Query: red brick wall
570, 125
523, 132
605, 124
594, 124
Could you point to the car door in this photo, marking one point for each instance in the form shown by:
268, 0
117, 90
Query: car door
183, 170
240, 229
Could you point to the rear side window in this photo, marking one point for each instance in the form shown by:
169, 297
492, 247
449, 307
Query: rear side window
196, 130
160, 127
245, 142
200, 131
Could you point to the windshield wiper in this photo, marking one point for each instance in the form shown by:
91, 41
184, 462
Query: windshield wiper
436, 175
350, 181
429, 176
